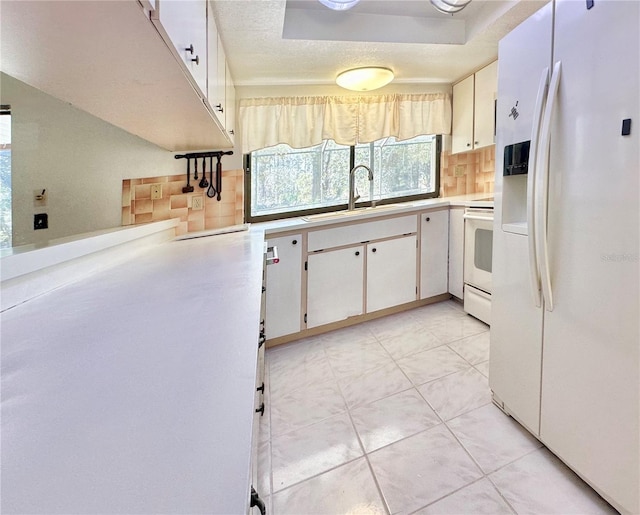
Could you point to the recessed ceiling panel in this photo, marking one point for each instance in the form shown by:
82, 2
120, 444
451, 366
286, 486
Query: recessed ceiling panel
328, 25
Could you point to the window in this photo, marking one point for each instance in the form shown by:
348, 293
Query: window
284, 182
5, 176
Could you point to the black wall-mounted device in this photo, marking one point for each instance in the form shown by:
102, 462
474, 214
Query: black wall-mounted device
516, 158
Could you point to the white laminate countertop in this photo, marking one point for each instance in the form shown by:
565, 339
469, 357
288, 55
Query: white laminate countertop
312, 222
132, 391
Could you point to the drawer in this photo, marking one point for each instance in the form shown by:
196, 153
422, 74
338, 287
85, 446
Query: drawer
361, 232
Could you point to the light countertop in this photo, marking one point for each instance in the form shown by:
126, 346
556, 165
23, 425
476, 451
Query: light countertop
132, 391
313, 221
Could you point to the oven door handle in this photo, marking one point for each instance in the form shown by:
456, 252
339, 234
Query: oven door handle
470, 216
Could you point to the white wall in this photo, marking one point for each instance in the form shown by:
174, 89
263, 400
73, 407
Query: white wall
79, 159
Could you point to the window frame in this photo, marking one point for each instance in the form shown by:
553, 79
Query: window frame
337, 207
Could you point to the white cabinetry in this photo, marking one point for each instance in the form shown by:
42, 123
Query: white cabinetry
484, 121
456, 251
221, 91
391, 273
335, 285
462, 120
434, 253
229, 104
284, 287
473, 122
215, 82
376, 270
183, 24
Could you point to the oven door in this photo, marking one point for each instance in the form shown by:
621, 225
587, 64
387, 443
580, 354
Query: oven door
478, 247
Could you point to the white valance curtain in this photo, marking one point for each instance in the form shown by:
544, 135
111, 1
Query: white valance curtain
306, 121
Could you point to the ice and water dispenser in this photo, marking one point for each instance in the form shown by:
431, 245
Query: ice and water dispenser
514, 183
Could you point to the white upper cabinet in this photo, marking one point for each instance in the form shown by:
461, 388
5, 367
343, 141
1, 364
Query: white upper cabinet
217, 70
221, 91
462, 125
484, 120
184, 23
230, 104
109, 60
474, 110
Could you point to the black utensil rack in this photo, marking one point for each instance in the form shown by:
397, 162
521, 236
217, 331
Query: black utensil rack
213, 190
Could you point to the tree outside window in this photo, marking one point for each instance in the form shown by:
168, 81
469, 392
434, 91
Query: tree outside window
289, 182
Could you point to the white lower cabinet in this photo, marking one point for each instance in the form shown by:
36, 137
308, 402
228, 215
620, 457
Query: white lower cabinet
284, 287
456, 251
391, 273
335, 281
434, 253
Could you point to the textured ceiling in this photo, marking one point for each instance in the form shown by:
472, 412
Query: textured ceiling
280, 42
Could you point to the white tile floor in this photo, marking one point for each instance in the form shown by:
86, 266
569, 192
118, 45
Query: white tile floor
395, 416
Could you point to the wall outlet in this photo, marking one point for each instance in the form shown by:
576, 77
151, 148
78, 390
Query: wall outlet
459, 170
40, 221
156, 191
197, 202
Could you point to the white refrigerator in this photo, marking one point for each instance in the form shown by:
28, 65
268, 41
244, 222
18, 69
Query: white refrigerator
565, 332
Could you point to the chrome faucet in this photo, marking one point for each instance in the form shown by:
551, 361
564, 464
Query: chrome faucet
353, 196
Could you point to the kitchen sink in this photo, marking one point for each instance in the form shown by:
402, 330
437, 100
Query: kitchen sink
354, 212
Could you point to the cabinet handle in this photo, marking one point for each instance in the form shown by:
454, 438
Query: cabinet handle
231, 132
196, 60
428, 219
294, 242
219, 108
475, 142
260, 388
261, 409
357, 252
468, 144
374, 249
256, 501
190, 49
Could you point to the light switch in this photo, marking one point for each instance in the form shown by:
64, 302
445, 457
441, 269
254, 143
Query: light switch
40, 197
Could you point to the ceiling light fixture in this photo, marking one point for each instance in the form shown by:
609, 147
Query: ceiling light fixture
449, 6
339, 5
365, 79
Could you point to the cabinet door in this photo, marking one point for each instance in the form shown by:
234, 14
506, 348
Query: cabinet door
335, 282
212, 58
217, 100
391, 273
434, 253
284, 287
185, 23
456, 252
230, 104
486, 86
462, 126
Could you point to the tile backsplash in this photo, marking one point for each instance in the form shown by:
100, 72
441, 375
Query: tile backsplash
470, 172
138, 206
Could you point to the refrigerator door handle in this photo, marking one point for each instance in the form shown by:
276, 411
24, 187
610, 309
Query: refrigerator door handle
542, 187
534, 273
